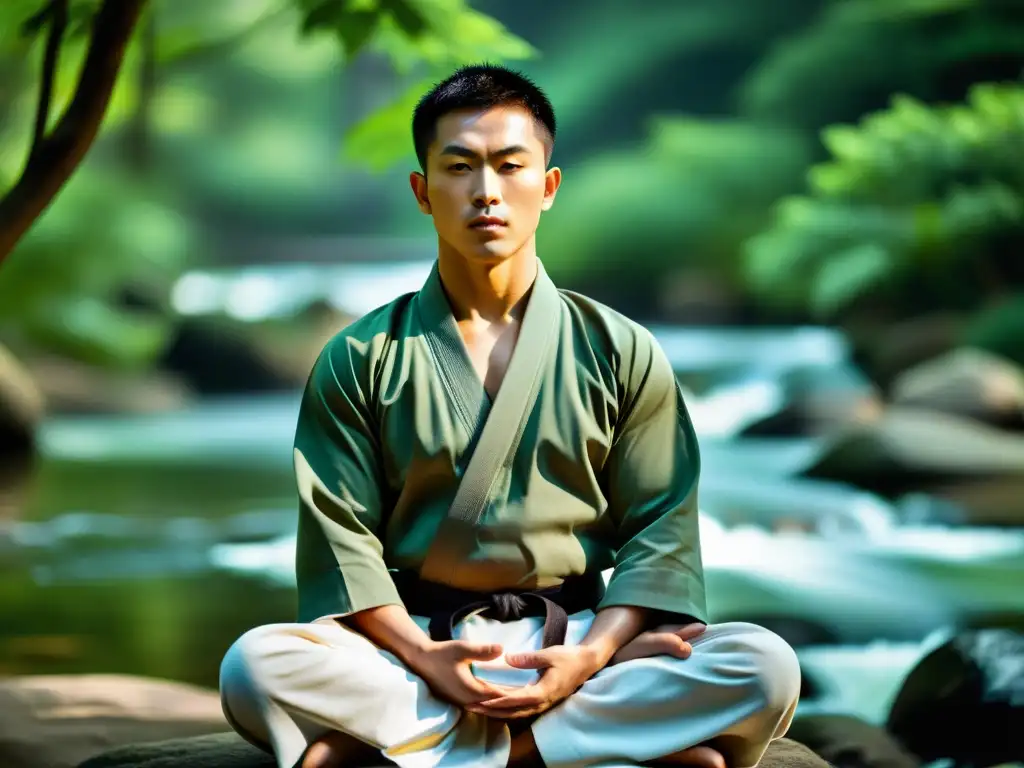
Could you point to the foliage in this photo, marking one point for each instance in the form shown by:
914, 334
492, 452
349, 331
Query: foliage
857, 53
61, 288
112, 224
910, 210
424, 40
685, 57
684, 195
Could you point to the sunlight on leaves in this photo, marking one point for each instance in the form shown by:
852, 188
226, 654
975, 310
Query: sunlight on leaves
385, 137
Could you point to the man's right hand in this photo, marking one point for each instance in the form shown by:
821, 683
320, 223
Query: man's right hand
445, 667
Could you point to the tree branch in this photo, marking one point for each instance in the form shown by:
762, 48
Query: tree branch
57, 12
60, 153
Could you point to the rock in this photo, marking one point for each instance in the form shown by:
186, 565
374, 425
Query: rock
222, 750
985, 501
849, 742
818, 399
964, 701
71, 386
966, 382
230, 751
57, 721
907, 445
216, 359
788, 753
21, 406
903, 344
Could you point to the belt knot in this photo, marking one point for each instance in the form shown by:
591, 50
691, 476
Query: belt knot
508, 606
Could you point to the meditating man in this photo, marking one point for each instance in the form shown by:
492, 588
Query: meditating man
470, 459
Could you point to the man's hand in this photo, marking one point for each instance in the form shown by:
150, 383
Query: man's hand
563, 670
445, 667
666, 640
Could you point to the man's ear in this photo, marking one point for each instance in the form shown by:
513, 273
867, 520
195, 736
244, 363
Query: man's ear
552, 181
418, 182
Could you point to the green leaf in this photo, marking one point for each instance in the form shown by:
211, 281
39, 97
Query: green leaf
354, 23
409, 17
355, 29
847, 143
385, 137
847, 275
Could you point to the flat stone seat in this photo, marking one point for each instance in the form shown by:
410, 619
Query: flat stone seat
216, 750
226, 750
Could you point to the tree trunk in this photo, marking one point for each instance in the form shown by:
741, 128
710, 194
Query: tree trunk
56, 156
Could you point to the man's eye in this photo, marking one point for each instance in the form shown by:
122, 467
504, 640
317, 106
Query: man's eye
459, 167
511, 166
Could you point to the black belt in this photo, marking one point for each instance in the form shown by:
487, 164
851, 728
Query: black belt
446, 606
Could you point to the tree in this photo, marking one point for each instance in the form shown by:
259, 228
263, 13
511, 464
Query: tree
54, 154
114, 222
411, 32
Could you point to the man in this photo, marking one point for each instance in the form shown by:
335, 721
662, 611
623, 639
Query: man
435, 637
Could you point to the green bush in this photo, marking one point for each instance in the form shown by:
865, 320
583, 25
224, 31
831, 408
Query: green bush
913, 212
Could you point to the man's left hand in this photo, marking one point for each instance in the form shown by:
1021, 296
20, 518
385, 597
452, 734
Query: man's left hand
563, 670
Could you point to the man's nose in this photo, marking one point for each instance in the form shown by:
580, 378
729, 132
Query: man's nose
487, 193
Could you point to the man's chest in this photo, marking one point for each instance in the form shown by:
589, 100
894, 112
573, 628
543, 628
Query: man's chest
430, 416
489, 350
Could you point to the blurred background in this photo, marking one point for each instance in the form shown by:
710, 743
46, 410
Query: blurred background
816, 205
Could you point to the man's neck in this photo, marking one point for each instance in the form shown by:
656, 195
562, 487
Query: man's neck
491, 293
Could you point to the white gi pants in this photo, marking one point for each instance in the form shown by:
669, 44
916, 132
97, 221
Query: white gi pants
283, 686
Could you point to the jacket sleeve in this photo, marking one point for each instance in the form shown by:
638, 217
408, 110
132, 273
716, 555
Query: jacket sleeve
339, 555
652, 478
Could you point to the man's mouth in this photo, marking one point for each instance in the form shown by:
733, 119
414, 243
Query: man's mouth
487, 222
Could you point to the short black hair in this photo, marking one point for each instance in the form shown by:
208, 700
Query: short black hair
479, 86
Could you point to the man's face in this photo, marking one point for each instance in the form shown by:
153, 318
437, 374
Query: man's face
486, 182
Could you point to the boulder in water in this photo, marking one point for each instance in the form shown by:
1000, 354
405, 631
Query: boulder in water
964, 701
966, 382
897, 346
907, 446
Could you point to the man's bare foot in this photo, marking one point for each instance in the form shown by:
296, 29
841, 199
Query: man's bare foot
697, 757
524, 752
335, 750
